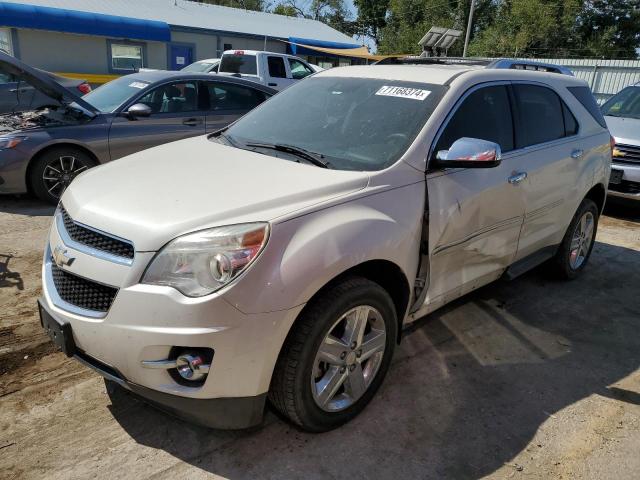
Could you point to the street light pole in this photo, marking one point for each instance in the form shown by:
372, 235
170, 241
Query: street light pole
469, 23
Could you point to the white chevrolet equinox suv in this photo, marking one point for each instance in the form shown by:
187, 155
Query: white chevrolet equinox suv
280, 258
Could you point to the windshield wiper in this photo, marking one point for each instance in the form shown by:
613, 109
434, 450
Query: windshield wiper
220, 134
311, 157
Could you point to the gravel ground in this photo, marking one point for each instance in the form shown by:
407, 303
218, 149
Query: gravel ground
532, 378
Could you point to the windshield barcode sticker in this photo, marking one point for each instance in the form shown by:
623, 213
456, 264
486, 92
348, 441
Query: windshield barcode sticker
138, 84
403, 92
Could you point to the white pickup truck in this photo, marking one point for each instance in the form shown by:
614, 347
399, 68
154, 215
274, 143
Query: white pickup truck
277, 70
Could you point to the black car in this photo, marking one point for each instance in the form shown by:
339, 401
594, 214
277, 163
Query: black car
43, 150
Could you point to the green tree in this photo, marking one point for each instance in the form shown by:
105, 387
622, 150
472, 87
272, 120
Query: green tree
610, 28
332, 12
530, 28
533, 28
371, 17
408, 20
286, 10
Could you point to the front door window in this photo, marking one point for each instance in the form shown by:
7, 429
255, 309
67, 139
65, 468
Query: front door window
172, 98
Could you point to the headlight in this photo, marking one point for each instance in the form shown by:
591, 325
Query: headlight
200, 263
10, 142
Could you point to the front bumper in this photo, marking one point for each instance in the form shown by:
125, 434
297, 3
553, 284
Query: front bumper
222, 413
146, 322
13, 165
629, 189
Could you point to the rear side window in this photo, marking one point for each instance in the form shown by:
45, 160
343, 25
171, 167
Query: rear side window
6, 78
485, 114
276, 67
234, 63
224, 96
541, 117
585, 97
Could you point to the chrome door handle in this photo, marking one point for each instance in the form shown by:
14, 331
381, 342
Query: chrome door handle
577, 153
517, 178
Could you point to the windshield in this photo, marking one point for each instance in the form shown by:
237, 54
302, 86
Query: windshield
354, 123
108, 97
198, 67
234, 63
625, 103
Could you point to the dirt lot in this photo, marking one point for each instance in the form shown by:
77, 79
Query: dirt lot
526, 379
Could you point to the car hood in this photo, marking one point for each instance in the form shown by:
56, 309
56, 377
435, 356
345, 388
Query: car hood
624, 130
156, 195
42, 82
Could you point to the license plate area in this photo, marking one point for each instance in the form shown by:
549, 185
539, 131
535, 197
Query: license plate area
59, 333
616, 176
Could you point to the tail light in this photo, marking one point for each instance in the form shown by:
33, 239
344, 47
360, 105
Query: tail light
84, 88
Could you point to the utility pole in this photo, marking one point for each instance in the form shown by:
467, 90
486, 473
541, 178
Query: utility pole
469, 24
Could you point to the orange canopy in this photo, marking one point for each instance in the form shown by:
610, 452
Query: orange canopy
360, 52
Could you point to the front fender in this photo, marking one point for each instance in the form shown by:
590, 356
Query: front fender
305, 253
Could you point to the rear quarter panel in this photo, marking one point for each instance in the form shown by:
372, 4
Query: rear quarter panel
595, 166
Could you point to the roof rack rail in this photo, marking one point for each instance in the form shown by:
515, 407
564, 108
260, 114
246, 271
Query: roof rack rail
415, 60
530, 65
501, 63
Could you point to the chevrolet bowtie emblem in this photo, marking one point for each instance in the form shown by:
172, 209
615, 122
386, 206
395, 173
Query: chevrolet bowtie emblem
61, 257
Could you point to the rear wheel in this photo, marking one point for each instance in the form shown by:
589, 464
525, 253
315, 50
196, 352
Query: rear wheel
575, 249
335, 356
55, 169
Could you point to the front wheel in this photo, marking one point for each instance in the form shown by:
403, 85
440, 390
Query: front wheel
336, 355
576, 247
54, 170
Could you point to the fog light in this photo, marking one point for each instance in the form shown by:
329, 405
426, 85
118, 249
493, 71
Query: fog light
192, 367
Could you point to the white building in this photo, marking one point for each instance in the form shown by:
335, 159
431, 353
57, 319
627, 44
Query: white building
97, 39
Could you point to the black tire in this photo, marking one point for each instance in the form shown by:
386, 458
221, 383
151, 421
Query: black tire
75, 160
561, 264
291, 387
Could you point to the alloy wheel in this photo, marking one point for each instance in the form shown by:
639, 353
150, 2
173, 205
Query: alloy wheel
581, 241
348, 358
60, 172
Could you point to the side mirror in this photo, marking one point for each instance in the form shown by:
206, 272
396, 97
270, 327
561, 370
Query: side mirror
139, 110
470, 153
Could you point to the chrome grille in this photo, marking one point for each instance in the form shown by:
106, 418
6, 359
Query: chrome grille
631, 154
81, 292
94, 239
